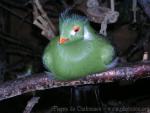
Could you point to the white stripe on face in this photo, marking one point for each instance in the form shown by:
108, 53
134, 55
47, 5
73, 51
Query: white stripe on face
72, 32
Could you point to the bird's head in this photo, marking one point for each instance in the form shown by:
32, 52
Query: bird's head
71, 28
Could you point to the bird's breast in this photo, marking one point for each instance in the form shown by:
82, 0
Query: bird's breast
75, 53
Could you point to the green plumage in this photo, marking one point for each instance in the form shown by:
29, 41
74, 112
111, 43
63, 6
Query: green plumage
85, 52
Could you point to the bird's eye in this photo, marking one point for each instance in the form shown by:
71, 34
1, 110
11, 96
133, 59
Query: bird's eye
76, 28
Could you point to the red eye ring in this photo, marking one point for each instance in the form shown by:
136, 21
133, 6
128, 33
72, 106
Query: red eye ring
76, 28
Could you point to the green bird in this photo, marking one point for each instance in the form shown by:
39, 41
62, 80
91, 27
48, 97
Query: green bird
78, 51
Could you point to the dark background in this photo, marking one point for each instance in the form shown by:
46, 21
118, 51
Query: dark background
22, 45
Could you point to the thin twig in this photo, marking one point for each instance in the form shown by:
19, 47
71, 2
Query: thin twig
42, 81
13, 40
23, 53
14, 13
42, 21
31, 103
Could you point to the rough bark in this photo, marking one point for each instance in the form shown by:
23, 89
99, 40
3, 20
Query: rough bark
42, 81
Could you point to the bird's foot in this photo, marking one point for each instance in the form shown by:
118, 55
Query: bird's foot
113, 63
50, 75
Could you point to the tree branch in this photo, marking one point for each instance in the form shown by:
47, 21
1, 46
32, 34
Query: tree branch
42, 81
31, 103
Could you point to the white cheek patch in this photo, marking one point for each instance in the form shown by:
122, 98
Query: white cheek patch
73, 32
87, 35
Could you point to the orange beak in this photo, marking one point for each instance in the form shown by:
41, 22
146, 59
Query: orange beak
62, 40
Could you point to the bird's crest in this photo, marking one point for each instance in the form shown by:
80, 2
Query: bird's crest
69, 16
